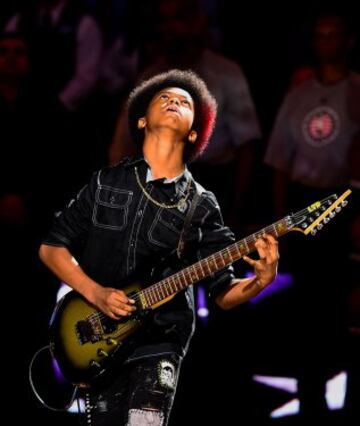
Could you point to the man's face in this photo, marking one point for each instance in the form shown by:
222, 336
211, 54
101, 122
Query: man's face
330, 40
173, 108
14, 58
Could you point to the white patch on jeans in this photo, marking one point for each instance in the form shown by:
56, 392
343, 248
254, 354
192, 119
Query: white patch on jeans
139, 417
166, 374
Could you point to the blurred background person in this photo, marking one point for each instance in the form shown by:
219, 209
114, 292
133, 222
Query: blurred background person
309, 149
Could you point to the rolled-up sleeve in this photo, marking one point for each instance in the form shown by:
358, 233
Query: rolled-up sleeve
71, 225
215, 237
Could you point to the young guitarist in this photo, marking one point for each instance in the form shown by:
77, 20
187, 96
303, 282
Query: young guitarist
131, 215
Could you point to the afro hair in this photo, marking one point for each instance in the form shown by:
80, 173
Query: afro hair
204, 102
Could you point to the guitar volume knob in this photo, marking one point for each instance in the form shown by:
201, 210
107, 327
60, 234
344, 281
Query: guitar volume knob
93, 363
111, 341
103, 353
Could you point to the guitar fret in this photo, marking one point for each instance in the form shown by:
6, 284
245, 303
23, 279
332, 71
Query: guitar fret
227, 255
232, 254
163, 294
194, 275
171, 287
189, 275
179, 278
240, 248
157, 293
147, 297
201, 269
177, 282
185, 280
221, 257
212, 264
164, 286
142, 297
246, 245
173, 283
275, 231
207, 264
168, 286
280, 227
151, 296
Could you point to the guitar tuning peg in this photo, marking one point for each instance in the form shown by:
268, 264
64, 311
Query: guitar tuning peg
320, 226
304, 225
337, 209
332, 214
344, 203
326, 220
313, 232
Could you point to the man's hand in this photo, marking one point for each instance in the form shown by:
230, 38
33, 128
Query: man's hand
266, 267
112, 302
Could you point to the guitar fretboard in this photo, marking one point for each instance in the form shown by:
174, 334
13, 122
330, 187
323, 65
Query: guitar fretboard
208, 266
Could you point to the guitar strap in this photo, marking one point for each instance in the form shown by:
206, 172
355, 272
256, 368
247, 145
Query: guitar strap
189, 215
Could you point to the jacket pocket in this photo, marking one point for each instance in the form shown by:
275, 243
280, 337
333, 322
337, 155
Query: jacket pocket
166, 228
111, 207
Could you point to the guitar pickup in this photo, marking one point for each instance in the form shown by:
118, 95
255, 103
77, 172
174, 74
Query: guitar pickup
85, 333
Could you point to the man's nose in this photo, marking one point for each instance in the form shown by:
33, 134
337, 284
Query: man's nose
175, 101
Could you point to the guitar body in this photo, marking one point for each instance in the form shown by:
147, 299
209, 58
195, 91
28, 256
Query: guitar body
84, 342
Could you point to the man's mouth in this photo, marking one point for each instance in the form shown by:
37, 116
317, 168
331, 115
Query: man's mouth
173, 109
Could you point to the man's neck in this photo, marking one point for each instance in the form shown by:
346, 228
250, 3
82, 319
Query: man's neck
165, 157
9, 91
329, 74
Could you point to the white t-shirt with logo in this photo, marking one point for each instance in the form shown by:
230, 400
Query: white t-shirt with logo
313, 132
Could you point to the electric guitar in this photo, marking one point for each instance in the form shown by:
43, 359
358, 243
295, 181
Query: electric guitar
85, 343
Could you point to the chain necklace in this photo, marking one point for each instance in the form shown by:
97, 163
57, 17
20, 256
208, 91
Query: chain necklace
180, 203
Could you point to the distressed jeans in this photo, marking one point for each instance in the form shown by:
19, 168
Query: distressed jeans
141, 395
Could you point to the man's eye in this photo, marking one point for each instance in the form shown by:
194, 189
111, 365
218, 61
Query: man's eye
186, 102
164, 96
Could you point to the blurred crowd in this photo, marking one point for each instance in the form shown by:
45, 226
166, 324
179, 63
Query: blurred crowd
66, 69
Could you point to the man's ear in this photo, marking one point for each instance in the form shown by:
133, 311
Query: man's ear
141, 123
192, 136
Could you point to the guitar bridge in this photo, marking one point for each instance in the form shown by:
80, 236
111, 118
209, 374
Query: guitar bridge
93, 328
85, 333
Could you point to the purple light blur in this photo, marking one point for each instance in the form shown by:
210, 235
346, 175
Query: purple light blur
58, 374
202, 309
282, 281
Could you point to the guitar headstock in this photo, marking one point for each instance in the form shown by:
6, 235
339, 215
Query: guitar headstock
314, 217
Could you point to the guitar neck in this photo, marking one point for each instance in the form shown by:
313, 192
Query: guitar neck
177, 282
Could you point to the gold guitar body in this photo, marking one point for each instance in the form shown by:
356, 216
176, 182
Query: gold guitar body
84, 341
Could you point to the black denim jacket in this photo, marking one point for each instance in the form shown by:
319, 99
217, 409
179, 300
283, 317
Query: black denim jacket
116, 233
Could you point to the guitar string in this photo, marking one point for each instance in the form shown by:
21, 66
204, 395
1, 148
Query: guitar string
216, 256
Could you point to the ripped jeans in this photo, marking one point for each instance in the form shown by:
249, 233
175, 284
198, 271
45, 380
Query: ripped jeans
143, 394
